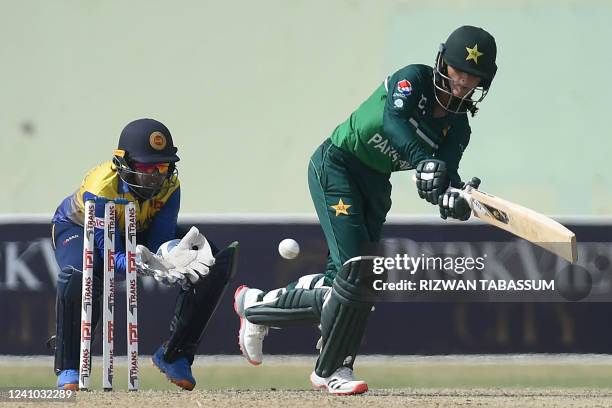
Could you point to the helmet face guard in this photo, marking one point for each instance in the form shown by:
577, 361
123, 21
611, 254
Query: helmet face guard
444, 86
145, 185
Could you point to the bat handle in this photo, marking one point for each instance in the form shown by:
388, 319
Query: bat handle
474, 183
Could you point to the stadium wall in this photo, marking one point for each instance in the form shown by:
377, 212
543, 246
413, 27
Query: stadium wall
28, 272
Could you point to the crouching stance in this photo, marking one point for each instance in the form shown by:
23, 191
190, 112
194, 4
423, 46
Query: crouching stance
142, 170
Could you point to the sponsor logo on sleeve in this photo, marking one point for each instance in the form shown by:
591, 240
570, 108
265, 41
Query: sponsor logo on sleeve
404, 87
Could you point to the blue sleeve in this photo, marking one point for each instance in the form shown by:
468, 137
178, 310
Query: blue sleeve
163, 226
99, 236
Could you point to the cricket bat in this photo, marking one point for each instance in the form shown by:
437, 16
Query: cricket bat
520, 221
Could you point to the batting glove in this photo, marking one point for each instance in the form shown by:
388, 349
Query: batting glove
432, 179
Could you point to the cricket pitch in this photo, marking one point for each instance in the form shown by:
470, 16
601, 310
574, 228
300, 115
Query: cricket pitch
227, 381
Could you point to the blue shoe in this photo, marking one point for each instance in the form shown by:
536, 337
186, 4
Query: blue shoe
178, 372
68, 380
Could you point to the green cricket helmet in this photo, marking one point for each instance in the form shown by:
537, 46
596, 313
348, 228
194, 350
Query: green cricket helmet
468, 49
145, 158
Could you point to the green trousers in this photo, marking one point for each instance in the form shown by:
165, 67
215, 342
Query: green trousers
351, 200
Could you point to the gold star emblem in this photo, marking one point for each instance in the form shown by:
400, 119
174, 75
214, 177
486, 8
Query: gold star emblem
445, 131
473, 53
341, 208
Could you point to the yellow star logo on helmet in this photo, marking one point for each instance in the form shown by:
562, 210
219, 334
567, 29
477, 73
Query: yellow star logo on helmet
473, 53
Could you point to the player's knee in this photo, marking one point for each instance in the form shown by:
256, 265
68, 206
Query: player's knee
226, 260
220, 274
310, 281
70, 284
351, 282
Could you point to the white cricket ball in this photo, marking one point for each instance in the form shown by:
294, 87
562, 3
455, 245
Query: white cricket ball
288, 248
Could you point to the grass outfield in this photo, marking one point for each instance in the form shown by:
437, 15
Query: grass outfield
452, 381
291, 373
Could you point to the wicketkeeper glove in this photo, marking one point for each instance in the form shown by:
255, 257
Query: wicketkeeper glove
432, 179
187, 262
192, 254
149, 264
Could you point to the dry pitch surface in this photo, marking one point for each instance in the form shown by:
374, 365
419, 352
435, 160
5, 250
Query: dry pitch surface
375, 398
453, 381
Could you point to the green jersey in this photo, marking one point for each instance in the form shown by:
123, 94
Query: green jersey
394, 129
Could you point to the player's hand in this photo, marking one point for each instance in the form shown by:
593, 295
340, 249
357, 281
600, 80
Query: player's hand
453, 205
432, 179
192, 256
150, 264
171, 277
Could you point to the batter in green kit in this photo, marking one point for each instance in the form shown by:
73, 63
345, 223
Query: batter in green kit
391, 130
416, 119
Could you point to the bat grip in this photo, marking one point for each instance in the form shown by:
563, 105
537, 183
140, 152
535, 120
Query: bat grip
474, 182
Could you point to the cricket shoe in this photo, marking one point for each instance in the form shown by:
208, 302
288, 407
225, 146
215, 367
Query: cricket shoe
178, 372
341, 382
68, 380
250, 336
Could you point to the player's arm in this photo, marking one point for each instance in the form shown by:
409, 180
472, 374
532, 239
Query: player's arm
99, 235
411, 142
451, 152
402, 100
163, 225
452, 203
